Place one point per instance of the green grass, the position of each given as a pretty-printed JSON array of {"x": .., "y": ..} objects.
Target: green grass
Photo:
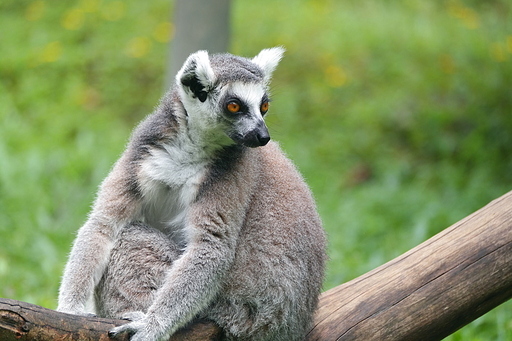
[{"x": 399, "y": 114}]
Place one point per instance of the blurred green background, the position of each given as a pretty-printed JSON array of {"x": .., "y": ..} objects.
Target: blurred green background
[{"x": 398, "y": 113}]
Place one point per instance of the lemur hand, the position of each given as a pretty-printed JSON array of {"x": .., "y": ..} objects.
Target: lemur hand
[{"x": 143, "y": 329}]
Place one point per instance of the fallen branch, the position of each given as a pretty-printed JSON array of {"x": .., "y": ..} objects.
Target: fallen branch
[
  {"x": 430, "y": 291},
  {"x": 25, "y": 321},
  {"x": 425, "y": 294}
]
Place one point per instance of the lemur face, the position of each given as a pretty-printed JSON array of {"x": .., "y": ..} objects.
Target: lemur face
[
  {"x": 243, "y": 106},
  {"x": 228, "y": 94}
]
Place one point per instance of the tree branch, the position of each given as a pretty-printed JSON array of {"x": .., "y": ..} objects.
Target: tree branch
[
  {"x": 425, "y": 294},
  {"x": 430, "y": 291},
  {"x": 25, "y": 321}
]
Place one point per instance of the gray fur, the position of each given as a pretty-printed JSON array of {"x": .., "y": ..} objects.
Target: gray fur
[
  {"x": 191, "y": 223},
  {"x": 246, "y": 70}
]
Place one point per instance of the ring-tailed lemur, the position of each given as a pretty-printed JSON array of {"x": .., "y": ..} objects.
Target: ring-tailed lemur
[{"x": 191, "y": 222}]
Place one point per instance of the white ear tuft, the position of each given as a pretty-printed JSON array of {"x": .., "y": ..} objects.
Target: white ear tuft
[
  {"x": 268, "y": 59},
  {"x": 197, "y": 75}
]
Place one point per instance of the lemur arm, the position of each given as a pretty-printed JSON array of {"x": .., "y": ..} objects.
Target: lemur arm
[
  {"x": 84, "y": 268},
  {"x": 214, "y": 223},
  {"x": 115, "y": 206},
  {"x": 190, "y": 285}
]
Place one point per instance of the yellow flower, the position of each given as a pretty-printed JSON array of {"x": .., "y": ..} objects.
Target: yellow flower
[
  {"x": 35, "y": 10},
  {"x": 51, "y": 52},
  {"x": 468, "y": 16},
  {"x": 509, "y": 44},
  {"x": 73, "y": 19},
  {"x": 90, "y": 6},
  {"x": 335, "y": 76},
  {"x": 138, "y": 47},
  {"x": 163, "y": 32},
  {"x": 498, "y": 52}
]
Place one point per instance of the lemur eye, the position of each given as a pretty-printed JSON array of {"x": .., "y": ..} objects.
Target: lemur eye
[
  {"x": 264, "y": 107},
  {"x": 233, "y": 107}
]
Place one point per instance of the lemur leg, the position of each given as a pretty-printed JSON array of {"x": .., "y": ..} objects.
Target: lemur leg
[{"x": 138, "y": 263}]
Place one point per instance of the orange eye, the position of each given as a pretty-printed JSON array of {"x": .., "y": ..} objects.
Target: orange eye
[
  {"x": 233, "y": 107},
  {"x": 264, "y": 107}
]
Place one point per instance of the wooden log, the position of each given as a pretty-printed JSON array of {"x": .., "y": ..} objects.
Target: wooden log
[
  {"x": 425, "y": 294},
  {"x": 25, "y": 321},
  {"x": 432, "y": 290}
]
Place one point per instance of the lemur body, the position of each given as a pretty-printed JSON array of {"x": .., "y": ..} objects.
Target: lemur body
[{"x": 193, "y": 222}]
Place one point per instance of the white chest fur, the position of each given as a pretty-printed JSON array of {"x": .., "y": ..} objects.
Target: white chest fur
[{"x": 170, "y": 179}]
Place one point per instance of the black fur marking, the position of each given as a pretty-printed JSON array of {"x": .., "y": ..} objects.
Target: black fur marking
[
  {"x": 226, "y": 159},
  {"x": 193, "y": 83},
  {"x": 132, "y": 185},
  {"x": 202, "y": 96},
  {"x": 152, "y": 133},
  {"x": 155, "y": 130}
]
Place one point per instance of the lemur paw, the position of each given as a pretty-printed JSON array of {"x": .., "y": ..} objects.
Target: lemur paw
[
  {"x": 140, "y": 330},
  {"x": 130, "y": 328}
]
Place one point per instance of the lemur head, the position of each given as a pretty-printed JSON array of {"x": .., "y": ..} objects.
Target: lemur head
[{"x": 228, "y": 95}]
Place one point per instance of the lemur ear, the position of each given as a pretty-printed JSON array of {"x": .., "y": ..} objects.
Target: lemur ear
[
  {"x": 196, "y": 75},
  {"x": 268, "y": 59}
]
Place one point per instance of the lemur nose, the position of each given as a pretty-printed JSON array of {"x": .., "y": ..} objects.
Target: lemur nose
[
  {"x": 263, "y": 139},
  {"x": 262, "y": 134},
  {"x": 258, "y": 137}
]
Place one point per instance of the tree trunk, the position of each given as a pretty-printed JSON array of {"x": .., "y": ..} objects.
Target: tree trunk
[
  {"x": 199, "y": 25},
  {"x": 425, "y": 294}
]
